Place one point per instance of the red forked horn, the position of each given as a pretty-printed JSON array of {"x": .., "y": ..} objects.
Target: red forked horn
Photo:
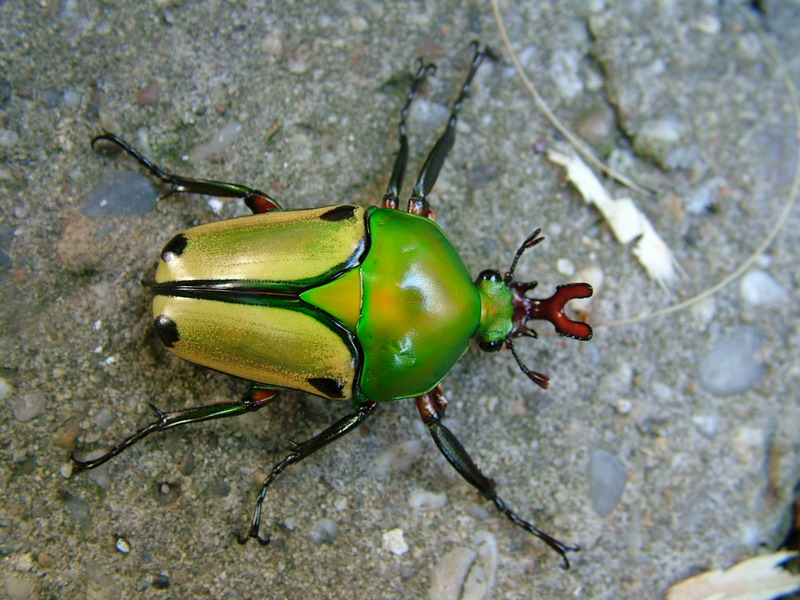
[{"x": 552, "y": 309}]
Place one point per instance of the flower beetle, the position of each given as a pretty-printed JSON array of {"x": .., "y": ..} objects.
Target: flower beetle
[{"x": 365, "y": 305}]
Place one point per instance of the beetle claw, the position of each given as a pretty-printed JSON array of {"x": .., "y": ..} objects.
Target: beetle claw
[{"x": 243, "y": 539}]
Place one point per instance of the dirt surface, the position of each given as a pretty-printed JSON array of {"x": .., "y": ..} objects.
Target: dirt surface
[{"x": 682, "y": 94}]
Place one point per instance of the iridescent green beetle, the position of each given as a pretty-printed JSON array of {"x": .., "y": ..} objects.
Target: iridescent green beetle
[{"x": 346, "y": 303}]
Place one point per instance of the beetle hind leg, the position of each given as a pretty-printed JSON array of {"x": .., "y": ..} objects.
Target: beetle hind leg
[
  {"x": 300, "y": 451},
  {"x": 430, "y": 408},
  {"x": 257, "y": 201},
  {"x": 255, "y": 398}
]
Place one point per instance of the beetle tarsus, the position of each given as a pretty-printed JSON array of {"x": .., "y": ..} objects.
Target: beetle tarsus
[{"x": 555, "y": 544}]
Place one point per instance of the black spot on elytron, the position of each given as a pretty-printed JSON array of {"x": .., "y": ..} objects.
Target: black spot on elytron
[
  {"x": 338, "y": 213},
  {"x": 329, "y": 387},
  {"x": 174, "y": 247},
  {"x": 167, "y": 331}
]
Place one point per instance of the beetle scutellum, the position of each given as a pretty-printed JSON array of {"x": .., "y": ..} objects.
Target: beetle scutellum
[{"x": 367, "y": 305}]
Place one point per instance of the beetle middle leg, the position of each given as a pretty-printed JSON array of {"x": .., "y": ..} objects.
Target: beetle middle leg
[
  {"x": 254, "y": 399},
  {"x": 431, "y": 408},
  {"x": 300, "y": 451},
  {"x": 257, "y": 201}
]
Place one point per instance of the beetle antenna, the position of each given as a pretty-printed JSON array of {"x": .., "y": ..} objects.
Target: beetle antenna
[
  {"x": 530, "y": 242},
  {"x": 539, "y": 379}
]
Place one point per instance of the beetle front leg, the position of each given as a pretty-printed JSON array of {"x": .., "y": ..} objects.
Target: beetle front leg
[
  {"x": 302, "y": 450},
  {"x": 255, "y": 398},
  {"x": 257, "y": 201},
  {"x": 390, "y": 198},
  {"x": 418, "y": 203},
  {"x": 430, "y": 410}
]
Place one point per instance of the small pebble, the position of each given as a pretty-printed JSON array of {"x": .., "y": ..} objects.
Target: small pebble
[
  {"x": 656, "y": 137},
  {"x": 594, "y": 276},
  {"x": 187, "y": 464},
  {"x": 218, "y": 142},
  {"x": 565, "y": 266},
  {"x": 449, "y": 574},
  {"x": 65, "y": 436},
  {"x": 29, "y": 406},
  {"x": 5, "y": 389},
  {"x": 596, "y": 125},
  {"x": 358, "y": 24},
  {"x": 22, "y": 562},
  {"x": 298, "y": 66},
  {"x": 8, "y": 138},
  {"x": 161, "y": 582},
  {"x": 730, "y": 367},
  {"x": 18, "y": 588},
  {"x": 483, "y": 573},
  {"x": 70, "y": 98},
  {"x": 272, "y": 43},
  {"x": 708, "y": 24},
  {"x": 565, "y": 72},
  {"x": 100, "y": 475},
  {"x": 324, "y": 531},
  {"x": 706, "y": 425},
  {"x": 758, "y": 287},
  {"x": 749, "y": 446},
  {"x": 704, "y": 310},
  {"x": 122, "y": 545},
  {"x": 607, "y": 478},
  {"x": 221, "y": 489},
  {"x": 104, "y": 418},
  {"x": 623, "y": 406},
  {"x": 149, "y": 95},
  {"x": 215, "y": 205},
  {"x": 398, "y": 457},
  {"x": 425, "y": 500},
  {"x": 394, "y": 542}
]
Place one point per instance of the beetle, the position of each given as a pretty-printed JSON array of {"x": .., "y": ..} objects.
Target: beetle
[{"x": 366, "y": 305}]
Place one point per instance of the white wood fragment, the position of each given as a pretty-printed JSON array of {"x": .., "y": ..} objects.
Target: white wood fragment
[
  {"x": 759, "y": 578},
  {"x": 627, "y": 222}
]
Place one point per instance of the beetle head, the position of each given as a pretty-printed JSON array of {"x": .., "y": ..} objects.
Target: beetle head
[{"x": 506, "y": 310}]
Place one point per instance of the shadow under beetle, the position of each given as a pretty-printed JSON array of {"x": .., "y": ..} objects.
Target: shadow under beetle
[{"x": 343, "y": 302}]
